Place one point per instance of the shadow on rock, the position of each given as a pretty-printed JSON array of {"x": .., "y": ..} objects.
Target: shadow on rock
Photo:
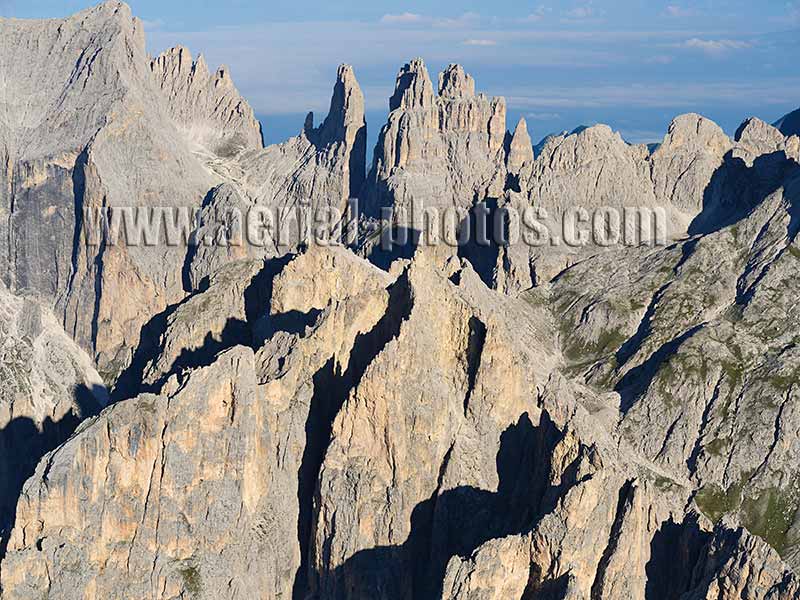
[
  {"x": 455, "y": 522},
  {"x": 252, "y": 332},
  {"x": 674, "y": 552},
  {"x": 23, "y": 444},
  {"x": 393, "y": 243},
  {"x": 736, "y": 189}
]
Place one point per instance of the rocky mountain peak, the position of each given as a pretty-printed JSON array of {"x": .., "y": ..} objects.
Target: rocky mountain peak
[
  {"x": 113, "y": 10},
  {"x": 292, "y": 420},
  {"x": 62, "y": 77},
  {"x": 346, "y": 114},
  {"x": 455, "y": 83},
  {"x": 693, "y": 129},
  {"x": 451, "y": 145},
  {"x": 520, "y": 148},
  {"x": 346, "y": 124},
  {"x": 757, "y": 134},
  {"x": 207, "y": 108},
  {"x": 413, "y": 88}
]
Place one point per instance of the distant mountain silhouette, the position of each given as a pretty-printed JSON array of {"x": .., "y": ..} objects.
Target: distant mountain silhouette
[{"x": 789, "y": 124}]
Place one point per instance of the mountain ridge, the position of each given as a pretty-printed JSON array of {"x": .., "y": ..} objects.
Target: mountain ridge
[{"x": 309, "y": 421}]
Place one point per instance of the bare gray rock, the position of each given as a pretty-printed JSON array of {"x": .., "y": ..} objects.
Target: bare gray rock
[
  {"x": 85, "y": 127},
  {"x": 207, "y": 108},
  {"x": 437, "y": 151},
  {"x": 520, "y": 150},
  {"x": 174, "y": 508},
  {"x": 47, "y": 386},
  {"x": 305, "y": 180},
  {"x": 469, "y": 423}
]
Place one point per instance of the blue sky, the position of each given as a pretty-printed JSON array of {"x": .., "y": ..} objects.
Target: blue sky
[{"x": 629, "y": 63}]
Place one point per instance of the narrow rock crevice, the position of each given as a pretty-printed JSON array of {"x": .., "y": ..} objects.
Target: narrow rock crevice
[
  {"x": 776, "y": 435},
  {"x": 636, "y": 382},
  {"x": 98, "y": 292},
  {"x": 331, "y": 389},
  {"x": 623, "y": 506},
  {"x": 475, "y": 344},
  {"x": 691, "y": 462},
  {"x": 78, "y": 195}
]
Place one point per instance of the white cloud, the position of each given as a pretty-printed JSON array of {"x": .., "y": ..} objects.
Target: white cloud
[
  {"x": 715, "y": 47},
  {"x": 468, "y": 19},
  {"x": 674, "y": 10},
  {"x": 793, "y": 12},
  {"x": 303, "y": 79},
  {"x": 542, "y": 116},
  {"x": 581, "y": 12},
  {"x": 676, "y": 96},
  {"x": 536, "y": 16},
  {"x": 401, "y": 19},
  {"x": 480, "y": 43},
  {"x": 153, "y": 25},
  {"x": 585, "y": 13}
]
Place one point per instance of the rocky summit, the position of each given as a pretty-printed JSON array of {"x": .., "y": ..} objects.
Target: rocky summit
[{"x": 297, "y": 420}]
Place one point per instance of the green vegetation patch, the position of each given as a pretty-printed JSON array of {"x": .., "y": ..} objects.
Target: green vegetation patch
[
  {"x": 770, "y": 515},
  {"x": 578, "y": 350},
  {"x": 784, "y": 381},
  {"x": 715, "y": 503},
  {"x": 718, "y": 447},
  {"x": 191, "y": 578}
]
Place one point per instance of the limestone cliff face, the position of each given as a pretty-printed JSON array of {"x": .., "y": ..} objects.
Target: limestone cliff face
[
  {"x": 408, "y": 434},
  {"x": 452, "y": 150},
  {"x": 85, "y": 127},
  {"x": 442, "y": 150},
  {"x": 292, "y": 421},
  {"x": 323, "y": 166},
  {"x": 686, "y": 160},
  {"x": 696, "y": 178},
  {"x": 207, "y": 107},
  {"x": 309, "y": 178},
  {"x": 155, "y": 500},
  {"x": 109, "y": 127},
  {"x": 47, "y": 386},
  {"x": 520, "y": 151}
]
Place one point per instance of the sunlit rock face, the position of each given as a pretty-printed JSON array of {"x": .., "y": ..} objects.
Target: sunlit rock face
[{"x": 294, "y": 420}]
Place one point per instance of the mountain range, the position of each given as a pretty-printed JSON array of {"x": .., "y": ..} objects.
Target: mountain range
[{"x": 295, "y": 420}]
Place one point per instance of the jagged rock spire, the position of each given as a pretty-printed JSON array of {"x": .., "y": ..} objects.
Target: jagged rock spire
[
  {"x": 520, "y": 149},
  {"x": 454, "y": 82},
  {"x": 431, "y": 140},
  {"x": 413, "y": 88},
  {"x": 208, "y": 108},
  {"x": 346, "y": 114},
  {"x": 346, "y": 123}
]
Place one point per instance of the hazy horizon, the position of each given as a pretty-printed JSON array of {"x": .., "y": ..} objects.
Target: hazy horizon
[{"x": 561, "y": 65}]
